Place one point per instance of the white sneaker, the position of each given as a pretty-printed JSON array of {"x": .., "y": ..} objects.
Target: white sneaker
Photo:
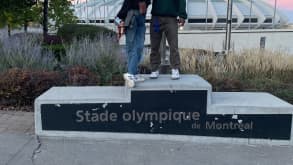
[
  {"x": 129, "y": 80},
  {"x": 154, "y": 75},
  {"x": 139, "y": 78},
  {"x": 175, "y": 74}
]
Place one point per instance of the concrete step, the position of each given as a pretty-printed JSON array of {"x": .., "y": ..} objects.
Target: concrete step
[{"x": 184, "y": 109}]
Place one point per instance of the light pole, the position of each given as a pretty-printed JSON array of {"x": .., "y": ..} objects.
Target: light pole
[
  {"x": 275, "y": 11},
  {"x": 207, "y": 11},
  {"x": 104, "y": 13},
  {"x": 228, "y": 26},
  {"x": 250, "y": 13},
  {"x": 87, "y": 12}
]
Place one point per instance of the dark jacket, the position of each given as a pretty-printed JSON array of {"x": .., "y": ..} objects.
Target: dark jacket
[
  {"x": 130, "y": 5},
  {"x": 171, "y": 8}
]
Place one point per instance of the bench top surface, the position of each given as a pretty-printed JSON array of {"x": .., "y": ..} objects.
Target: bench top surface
[
  {"x": 164, "y": 82},
  {"x": 248, "y": 103},
  {"x": 122, "y": 93}
]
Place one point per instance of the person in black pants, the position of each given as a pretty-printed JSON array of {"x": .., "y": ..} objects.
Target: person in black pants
[{"x": 164, "y": 19}]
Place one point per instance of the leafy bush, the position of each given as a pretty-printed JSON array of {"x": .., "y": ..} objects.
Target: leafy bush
[
  {"x": 21, "y": 87},
  {"x": 24, "y": 52},
  {"x": 70, "y": 32},
  {"x": 81, "y": 76},
  {"x": 53, "y": 40},
  {"x": 53, "y": 43},
  {"x": 108, "y": 67},
  {"x": 58, "y": 50}
]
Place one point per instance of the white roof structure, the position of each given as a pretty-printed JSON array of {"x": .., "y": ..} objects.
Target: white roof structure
[{"x": 202, "y": 14}]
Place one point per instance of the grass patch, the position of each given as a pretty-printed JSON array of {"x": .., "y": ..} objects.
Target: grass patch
[{"x": 249, "y": 70}]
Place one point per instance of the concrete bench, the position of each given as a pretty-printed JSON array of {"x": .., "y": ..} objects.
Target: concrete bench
[{"x": 164, "y": 109}]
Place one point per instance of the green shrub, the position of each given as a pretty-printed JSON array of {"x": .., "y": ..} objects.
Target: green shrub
[
  {"x": 70, "y": 32},
  {"x": 24, "y": 52},
  {"x": 87, "y": 53},
  {"x": 58, "y": 50},
  {"x": 109, "y": 67}
]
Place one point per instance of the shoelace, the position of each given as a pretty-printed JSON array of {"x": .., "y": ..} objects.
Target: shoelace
[{"x": 131, "y": 77}]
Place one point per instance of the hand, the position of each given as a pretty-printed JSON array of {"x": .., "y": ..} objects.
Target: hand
[
  {"x": 181, "y": 22},
  {"x": 142, "y": 7},
  {"x": 122, "y": 24},
  {"x": 121, "y": 30}
]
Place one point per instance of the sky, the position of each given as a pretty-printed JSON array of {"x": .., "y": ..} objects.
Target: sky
[{"x": 285, "y": 6}]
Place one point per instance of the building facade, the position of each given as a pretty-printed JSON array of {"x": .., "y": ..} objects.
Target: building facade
[{"x": 202, "y": 14}]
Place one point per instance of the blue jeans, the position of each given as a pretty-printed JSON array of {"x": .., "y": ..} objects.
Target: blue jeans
[{"x": 135, "y": 36}]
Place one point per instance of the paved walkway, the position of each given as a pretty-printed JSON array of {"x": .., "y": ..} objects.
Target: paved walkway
[
  {"x": 19, "y": 146},
  {"x": 16, "y": 122}
]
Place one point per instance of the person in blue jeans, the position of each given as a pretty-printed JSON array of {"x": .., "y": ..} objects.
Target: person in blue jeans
[{"x": 131, "y": 17}]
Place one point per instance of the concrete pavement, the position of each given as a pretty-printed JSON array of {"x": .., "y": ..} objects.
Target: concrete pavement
[
  {"x": 19, "y": 146},
  {"x": 16, "y": 122}
]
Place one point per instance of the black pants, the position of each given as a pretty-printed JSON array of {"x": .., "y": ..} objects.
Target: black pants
[{"x": 169, "y": 26}]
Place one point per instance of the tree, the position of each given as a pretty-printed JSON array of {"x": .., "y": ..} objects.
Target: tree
[
  {"x": 61, "y": 12},
  {"x": 7, "y": 15},
  {"x": 45, "y": 18},
  {"x": 31, "y": 14},
  {"x": 11, "y": 13}
]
